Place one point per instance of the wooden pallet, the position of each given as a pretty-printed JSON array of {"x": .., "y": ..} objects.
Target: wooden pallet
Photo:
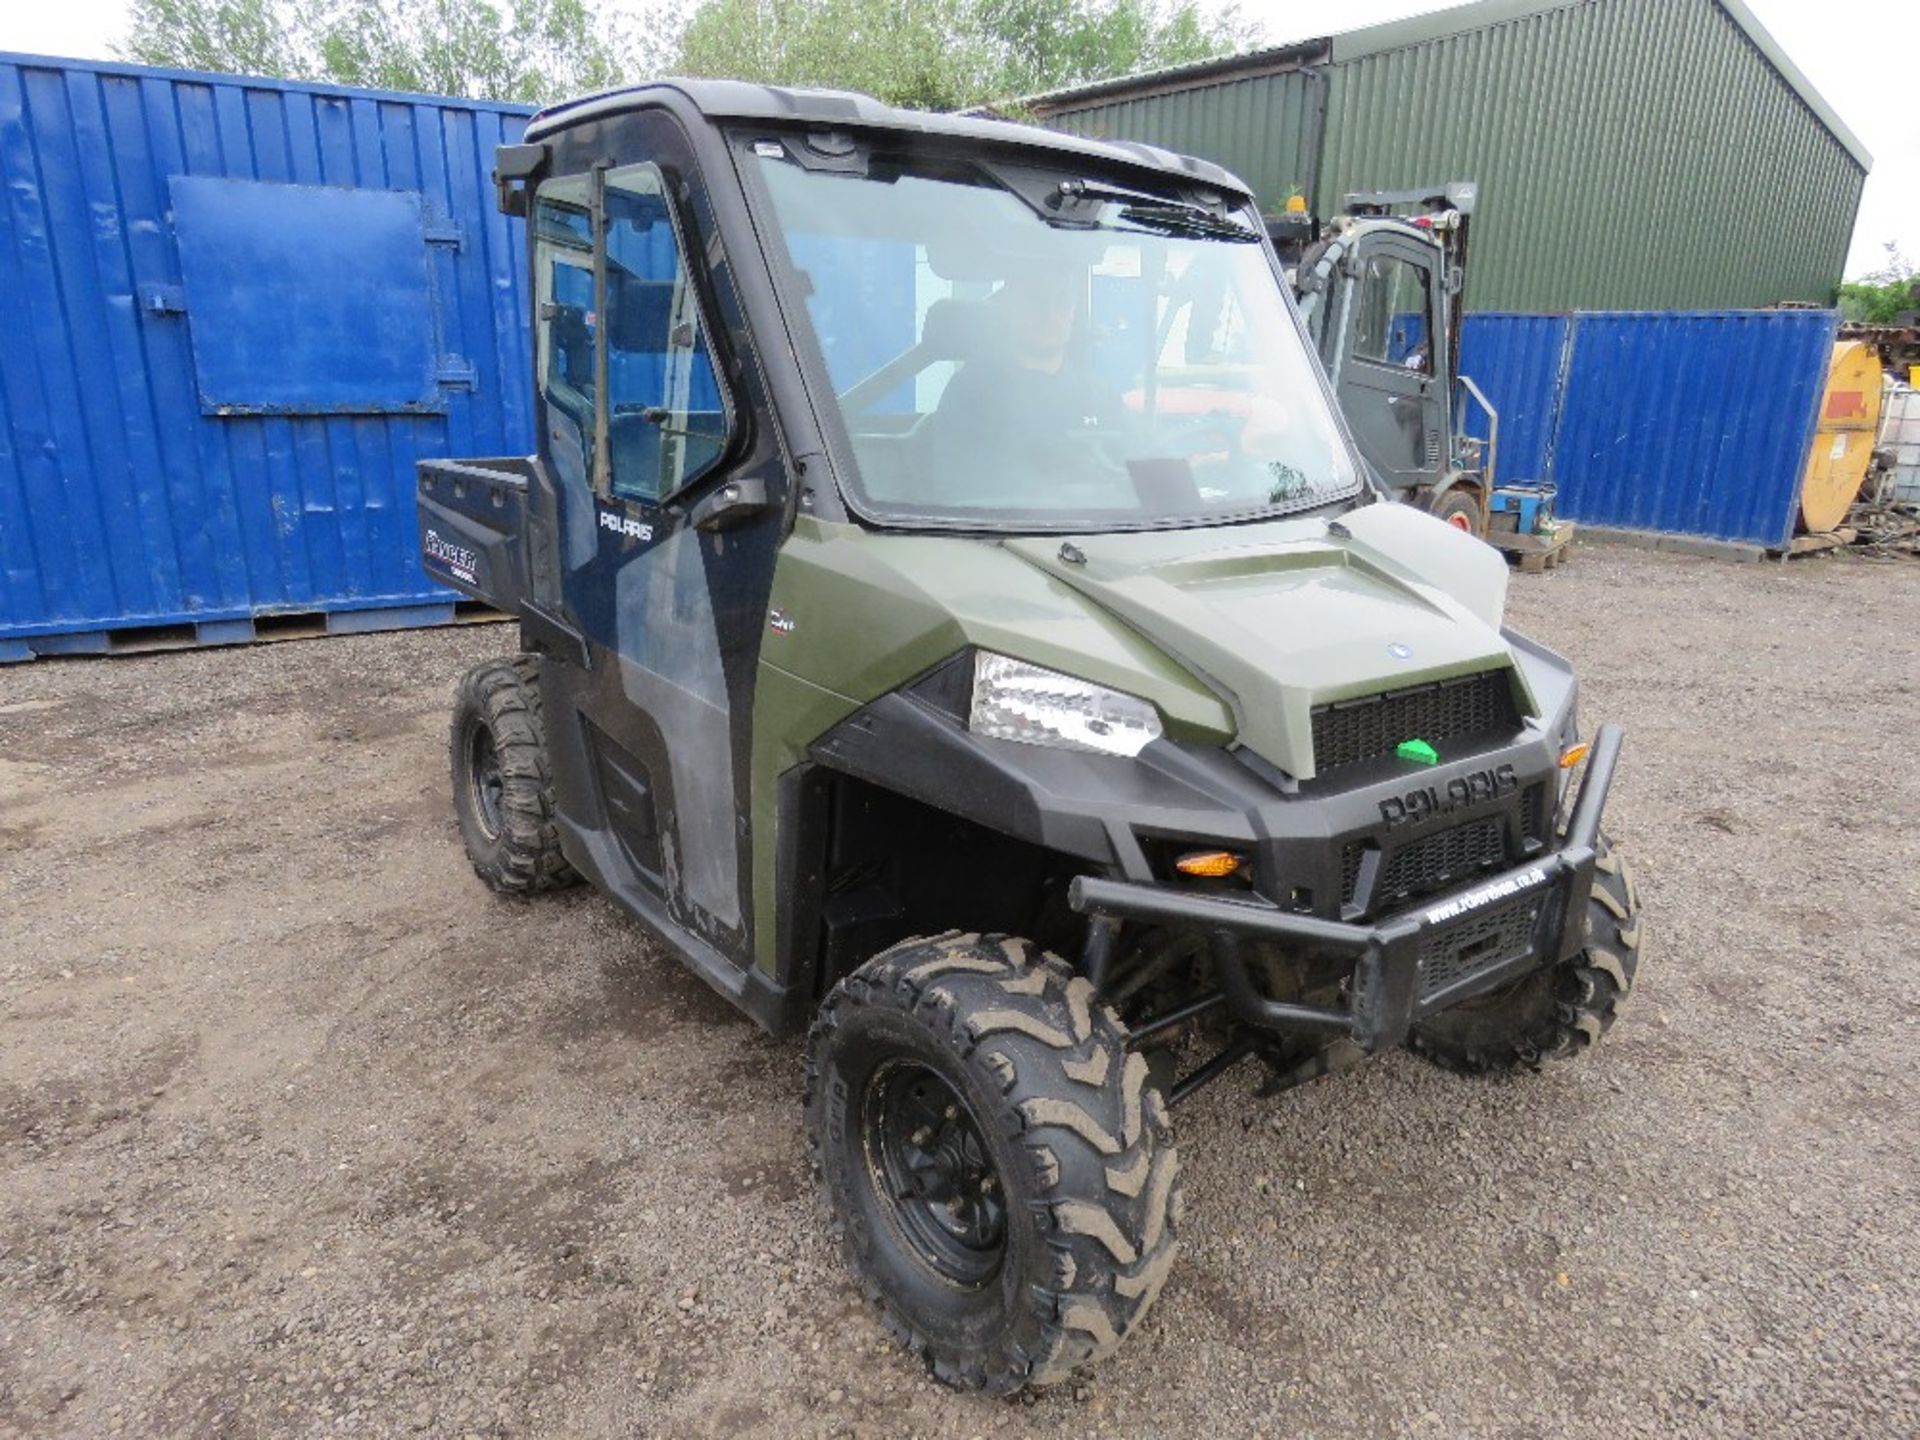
[
  {"x": 248, "y": 630},
  {"x": 1536, "y": 554},
  {"x": 1823, "y": 540}
]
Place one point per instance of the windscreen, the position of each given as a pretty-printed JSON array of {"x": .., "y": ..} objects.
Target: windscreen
[{"x": 1053, "y": 352}]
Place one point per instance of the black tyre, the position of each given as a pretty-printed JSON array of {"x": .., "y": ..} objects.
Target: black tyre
[
  {"x": 1001, "y": 1169},
  {"x": 1556, "y": 1013},
  {"x": 1461, "y": 509},
  {"x": 502, "y": 790}
]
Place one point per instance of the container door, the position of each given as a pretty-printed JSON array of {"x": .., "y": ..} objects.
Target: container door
[{"x": 1386, "y": 374}]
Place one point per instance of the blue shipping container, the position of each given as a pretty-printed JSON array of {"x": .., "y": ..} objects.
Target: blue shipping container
[
  {"x": 1688, "y": 423},
  {"x": 235, "y": 312}
]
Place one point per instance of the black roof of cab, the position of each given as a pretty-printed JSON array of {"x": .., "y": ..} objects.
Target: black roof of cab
[{"x": 844, "y": 109}]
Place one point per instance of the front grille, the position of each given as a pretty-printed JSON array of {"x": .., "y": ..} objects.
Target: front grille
[
  {"x": 1440, "y": 860},
  {"x": 1350, "y": 859},
  {"x": 1349, "y": 731},
  {"x": 1535, "y": 805},
  {"x": 1493, "y": 937}
]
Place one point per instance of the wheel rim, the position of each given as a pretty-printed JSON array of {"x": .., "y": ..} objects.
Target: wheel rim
[
  {"x": 934, "y": 1172},
  {"x": 483, "y": 779}
]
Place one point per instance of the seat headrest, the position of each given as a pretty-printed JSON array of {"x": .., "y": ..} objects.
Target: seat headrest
[{"x": 958, "y": 329}]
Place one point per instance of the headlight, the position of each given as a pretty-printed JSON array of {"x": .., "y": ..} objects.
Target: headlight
[{"x": 1013, "y": 700}]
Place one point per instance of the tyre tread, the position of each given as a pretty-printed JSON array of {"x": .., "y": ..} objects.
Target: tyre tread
[{"x": 1039, "y": 1036}]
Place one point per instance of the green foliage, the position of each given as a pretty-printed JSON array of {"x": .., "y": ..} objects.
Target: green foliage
[
  {"x": 931, "y": 54},
  {"x": 525, "y": 50},
  {"x": 947, "y": 54},
  {"x": 1882, "y": 296},
  {"x": 241, "y": 37}
]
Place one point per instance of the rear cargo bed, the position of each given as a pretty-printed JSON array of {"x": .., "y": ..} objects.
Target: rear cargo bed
[{"x": 472, "y": 526}]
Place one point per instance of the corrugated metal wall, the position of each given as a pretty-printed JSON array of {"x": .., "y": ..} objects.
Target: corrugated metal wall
[
  {"x": 1631, "y": 154},
  {"x": 1265, "y": 130},
  {"x": 127, "y": 498},
  {"x": 1696, "y": 423},
  {"x": 1517, "y": 361}
]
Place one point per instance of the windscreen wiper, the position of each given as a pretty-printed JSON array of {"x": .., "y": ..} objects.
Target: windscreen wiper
[
  {"x": 1187, "y": 220},
  {"x": 1144, "y": 208}
]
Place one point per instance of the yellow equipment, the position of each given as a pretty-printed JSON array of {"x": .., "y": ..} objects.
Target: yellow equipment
[{"x": 1843, "y": 445}]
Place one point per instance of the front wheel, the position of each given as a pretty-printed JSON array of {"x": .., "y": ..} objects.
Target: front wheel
[
  {"x": 1002, "y": 1170},
  {"x": 1557, "y": 1012}
]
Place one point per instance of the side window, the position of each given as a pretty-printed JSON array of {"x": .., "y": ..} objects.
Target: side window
[
  {"x": 1394, "y": 303},
  {"x": 666, "y": 417},
  {"x": 564, "y": 335}
]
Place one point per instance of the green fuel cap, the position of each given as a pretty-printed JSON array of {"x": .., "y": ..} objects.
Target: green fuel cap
[{"x": 1418, "y": 751}]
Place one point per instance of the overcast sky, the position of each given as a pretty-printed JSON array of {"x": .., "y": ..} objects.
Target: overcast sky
[{"x": 1859, "y": 54}]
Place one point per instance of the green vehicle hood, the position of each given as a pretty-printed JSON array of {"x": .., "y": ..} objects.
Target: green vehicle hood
[
  {"x": 1234, "y": 632},
  {"x": 1280, "y": 618}
]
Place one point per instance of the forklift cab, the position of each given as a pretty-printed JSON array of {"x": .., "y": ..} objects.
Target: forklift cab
[{"x": 1380, "y": 290}]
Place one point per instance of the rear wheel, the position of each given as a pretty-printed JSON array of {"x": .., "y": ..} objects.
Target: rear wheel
[
  {"x": 1001, "y": 1169},
  {"x": 502, "y": 791},
  {"x": 1557, "y": 1012}
]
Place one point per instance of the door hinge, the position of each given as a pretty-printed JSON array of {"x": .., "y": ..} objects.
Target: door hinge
[
  {"x": 163, "y": 299},
  {"x": 455, "y": 371},
  {"x": 442, "y": 232}
]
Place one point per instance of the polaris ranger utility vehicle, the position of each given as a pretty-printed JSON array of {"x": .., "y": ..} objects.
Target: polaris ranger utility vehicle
[
  {"x": 1379, "y": 287},
  {"x": 910, "y": 644}
]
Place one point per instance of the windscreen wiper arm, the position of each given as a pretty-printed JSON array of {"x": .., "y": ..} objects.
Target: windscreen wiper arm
[
  {"x": 1143, "y": 207},
  {"x": 1188, "y": 220}
]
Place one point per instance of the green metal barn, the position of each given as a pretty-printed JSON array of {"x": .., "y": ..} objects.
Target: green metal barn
[{"x": 1631, "y": 154}]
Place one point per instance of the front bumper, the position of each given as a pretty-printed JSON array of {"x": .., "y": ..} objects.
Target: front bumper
[{"x": 1441, "y": 951}]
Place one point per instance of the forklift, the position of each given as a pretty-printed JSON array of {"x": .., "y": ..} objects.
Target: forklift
[{"x": 1380, "y": 286}]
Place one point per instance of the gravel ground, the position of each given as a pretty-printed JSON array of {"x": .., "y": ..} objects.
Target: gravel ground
[{"x": 302, "y": 1132}]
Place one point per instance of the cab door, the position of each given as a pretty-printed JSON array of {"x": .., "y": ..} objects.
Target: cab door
[
  {"x": 666, "y": 521},
  {"x": 1385, "y": 378}
]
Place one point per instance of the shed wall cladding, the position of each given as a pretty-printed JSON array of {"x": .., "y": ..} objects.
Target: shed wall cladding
[
  {"x": 1263, "y": 128},
  {"x": 236, "y": 311},
  {"x": 1631, "y": 154}
]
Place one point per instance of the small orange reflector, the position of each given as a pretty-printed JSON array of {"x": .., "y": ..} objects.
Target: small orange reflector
[
  {"x": 1209, "y": 863},
  {"x": 1573, "y": 755}
]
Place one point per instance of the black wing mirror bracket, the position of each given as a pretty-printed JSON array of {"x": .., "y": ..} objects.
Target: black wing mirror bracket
[
  {"x": 733, "y": 503},
  {"x": 514, "y": 167}
]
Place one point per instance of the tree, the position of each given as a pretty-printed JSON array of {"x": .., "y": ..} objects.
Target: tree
[
  {"x": 948, "y": 54},
  {"x": 1881, "y": 296},
  {"x": 524, "y": 50},
  {"x": 240, "y": 37},
  {"x": 931, "y": 54}
]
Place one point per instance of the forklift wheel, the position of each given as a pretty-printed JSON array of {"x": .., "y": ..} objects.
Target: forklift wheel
[
  {"x": 1001, "y": 1169},
  {"x": 1556, "y": 1013},
  {"x": 1461, "y": 509},
  {"x": 501, "y": 789}
]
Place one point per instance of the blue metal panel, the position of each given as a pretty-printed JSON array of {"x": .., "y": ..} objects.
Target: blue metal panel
[
  {"x": 1517, "y": 360},
  {"x": 1692, "y": 423},
  {"x": 305, "y": 299},
  {"x": 121, "y": 503}
]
